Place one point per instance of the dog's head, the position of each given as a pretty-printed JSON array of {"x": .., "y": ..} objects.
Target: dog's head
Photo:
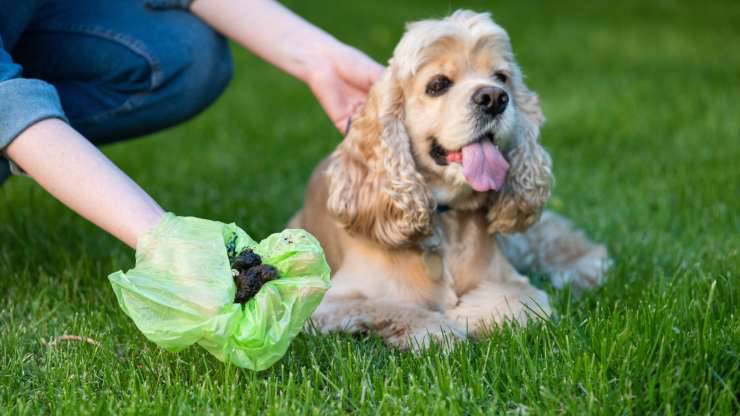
[{"x": 451, "y": 122}]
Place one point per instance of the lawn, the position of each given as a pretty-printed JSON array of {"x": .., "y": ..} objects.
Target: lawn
[{"x": 643, "y": 102}]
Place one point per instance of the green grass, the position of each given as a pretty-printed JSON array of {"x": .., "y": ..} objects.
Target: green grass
[{"x": 642, "y": 101}]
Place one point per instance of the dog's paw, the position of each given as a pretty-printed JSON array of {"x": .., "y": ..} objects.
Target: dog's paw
[
  {"x": 483, "y": 310},
  {"x": 436, "y": 329}
]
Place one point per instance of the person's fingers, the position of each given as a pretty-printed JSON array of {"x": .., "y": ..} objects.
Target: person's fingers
[
  {"x": 354, "y": 103},
  {"x": 372, "y": 72},
  {"x": 339, "y": 99},
  {"x": 344, "y": 123},
  {"x": 360, "y": 70},
  {"x": 333, "y": 101},
  {"x": 343, "y": 89}
]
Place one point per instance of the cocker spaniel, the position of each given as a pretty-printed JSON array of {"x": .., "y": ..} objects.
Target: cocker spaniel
[{"x": 432, "y": 202}]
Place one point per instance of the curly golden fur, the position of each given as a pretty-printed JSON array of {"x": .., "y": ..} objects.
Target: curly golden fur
[
  {"x": 402, "y": 267},
  {"x": 375, "y": 189}
]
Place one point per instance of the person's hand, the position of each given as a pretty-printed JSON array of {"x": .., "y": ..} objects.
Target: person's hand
[
  {"x": 342, "y": 82},
  {"x": 340, "y": 76}
]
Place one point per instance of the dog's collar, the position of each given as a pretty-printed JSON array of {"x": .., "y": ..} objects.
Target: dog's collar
[{"x": 441, "y": 209}]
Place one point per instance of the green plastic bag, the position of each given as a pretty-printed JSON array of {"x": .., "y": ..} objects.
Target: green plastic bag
[{"x": 181, "y": 291}]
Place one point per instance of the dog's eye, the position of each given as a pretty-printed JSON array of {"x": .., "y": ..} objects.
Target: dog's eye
[
  {"x": 501, "y": 77},
  {"x": 438, "y": 86}
]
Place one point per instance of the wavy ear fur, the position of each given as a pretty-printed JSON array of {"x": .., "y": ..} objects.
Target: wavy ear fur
[
  {"x": 375, "y": 189},
  {"x": 528, "y": 183}
]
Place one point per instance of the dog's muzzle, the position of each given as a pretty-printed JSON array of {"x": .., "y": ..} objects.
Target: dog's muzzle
[{"x": 490, "y": 101}]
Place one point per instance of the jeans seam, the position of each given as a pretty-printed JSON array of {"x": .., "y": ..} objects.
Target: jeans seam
[
  {"x": 168, "y": 4},
  {"x": 135, "y": 46}
]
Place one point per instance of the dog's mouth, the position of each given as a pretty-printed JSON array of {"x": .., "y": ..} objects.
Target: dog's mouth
[{"x": 483, "y": 163}]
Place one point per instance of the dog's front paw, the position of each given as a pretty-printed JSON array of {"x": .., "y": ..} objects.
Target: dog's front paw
[
  {"x": 493, "y": 304},
  {"x": 435, "y": 329}
]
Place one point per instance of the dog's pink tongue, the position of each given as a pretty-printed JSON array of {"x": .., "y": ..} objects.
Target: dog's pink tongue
[{"x": 484, "y": 166}]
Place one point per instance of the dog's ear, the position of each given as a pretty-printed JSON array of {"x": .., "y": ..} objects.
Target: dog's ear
[
  {"x": 375, "y": 189},
  {"x": 528, "y": 183}
]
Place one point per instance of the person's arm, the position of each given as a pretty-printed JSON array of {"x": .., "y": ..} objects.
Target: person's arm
[
  {"x": 340, "y": 76},
  {"x": 35, "y": 137},
  {"x": 81, "y": 177}
]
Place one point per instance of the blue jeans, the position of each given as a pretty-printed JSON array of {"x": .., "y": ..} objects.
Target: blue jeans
[{"x": 120, "y": 68}]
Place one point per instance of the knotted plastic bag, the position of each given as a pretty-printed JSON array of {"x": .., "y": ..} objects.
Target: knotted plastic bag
[{"x": 181, "y": 291}]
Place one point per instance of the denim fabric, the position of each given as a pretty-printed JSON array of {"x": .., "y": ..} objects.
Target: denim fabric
[
  {"x": 4, "y": 170},
  {"x": 22, "y": 101},
  {"x": 120, "y": 68},
  {"x": 169, "y": 4}
]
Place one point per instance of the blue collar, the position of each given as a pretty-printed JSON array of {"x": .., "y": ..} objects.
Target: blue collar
[{"x": 441, "y": 209}]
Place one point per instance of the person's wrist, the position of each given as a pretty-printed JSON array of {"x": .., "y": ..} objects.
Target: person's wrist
[{"x": 320, "y": 60}]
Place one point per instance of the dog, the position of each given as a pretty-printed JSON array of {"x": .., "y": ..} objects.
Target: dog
[{"x": 433, "y": 202}]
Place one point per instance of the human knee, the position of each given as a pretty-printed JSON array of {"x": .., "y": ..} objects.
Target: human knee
[
  {"x": 174, "y": 81},
  {"x": 196, "y": 67},
  {"x": 208, "y": 67}
]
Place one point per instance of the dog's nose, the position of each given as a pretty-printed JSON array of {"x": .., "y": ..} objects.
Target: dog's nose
[{"x": 492, "y": 100}]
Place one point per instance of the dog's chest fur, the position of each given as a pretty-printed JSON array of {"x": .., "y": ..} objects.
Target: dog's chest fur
[{"x": 458, "y": 252}]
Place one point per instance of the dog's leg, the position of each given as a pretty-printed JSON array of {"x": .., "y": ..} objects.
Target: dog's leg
[
  {"x": 403, "y": 326},
  {"x": 555, "y": 247},
  {"x": 495, "y": 302}
]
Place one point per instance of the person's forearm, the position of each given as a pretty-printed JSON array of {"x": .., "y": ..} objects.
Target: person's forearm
[
  {"x": 80, "y": 176},
  {"x": 269, "y": 30}
]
